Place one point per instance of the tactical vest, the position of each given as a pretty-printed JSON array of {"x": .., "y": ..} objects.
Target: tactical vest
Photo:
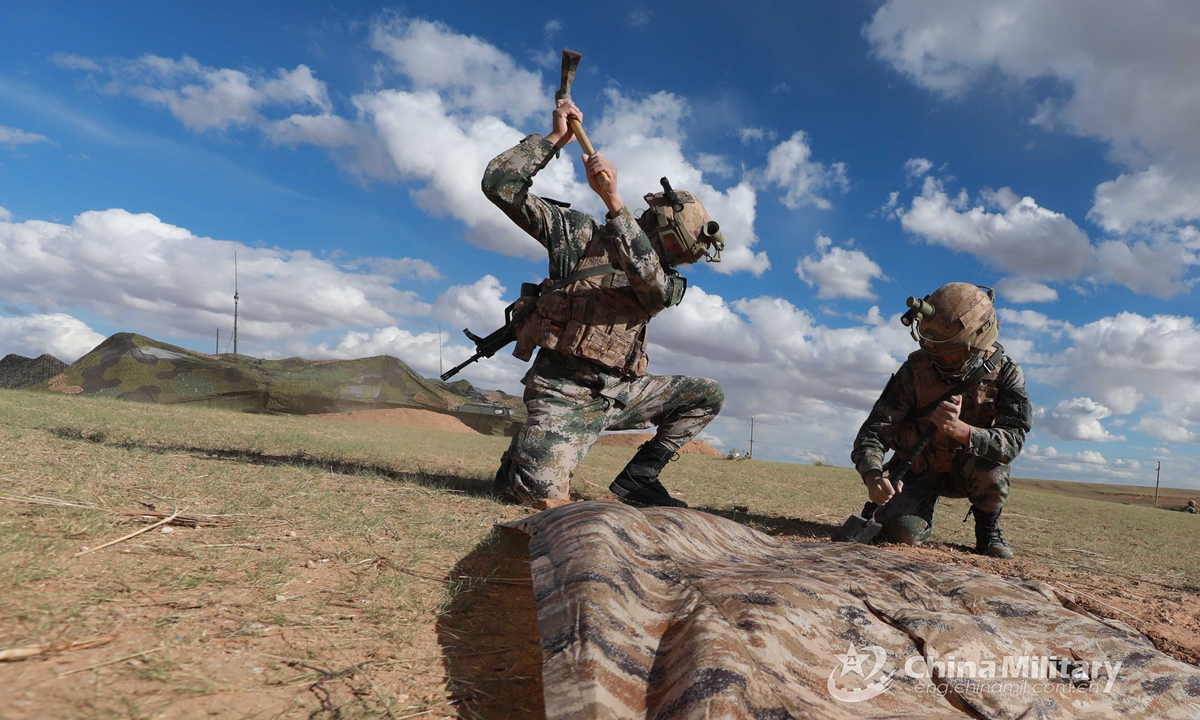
[
  {"x": 978, "y": 410},
  {"x": 597, "y": 318}
]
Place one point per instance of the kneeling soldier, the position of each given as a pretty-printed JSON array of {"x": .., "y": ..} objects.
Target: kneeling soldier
[
  {"x": 974, "y": 397},
  {"x": 589, "y": 322}
]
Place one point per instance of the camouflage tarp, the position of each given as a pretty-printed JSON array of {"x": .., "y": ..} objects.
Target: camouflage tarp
[
  {"x": 138, "y": 368},
  {"x": 18, "y": 372},
  {"x": 669, "y": 613}
]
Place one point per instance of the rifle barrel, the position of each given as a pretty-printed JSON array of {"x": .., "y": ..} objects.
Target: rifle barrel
[{"x": 454, "y": 370}]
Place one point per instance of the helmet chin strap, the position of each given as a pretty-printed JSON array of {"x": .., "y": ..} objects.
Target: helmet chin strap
[{"x": 967, "y": 368}]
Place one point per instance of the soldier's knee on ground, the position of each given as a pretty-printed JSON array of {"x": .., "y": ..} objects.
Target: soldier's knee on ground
[
  {"x": 906, "y": 529},
  {"x": 714, "y": 396},
  {"x": 519, "y": 482}
]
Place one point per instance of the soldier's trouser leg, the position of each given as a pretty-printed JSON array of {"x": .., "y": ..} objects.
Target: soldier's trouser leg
[
  {"x": 985, "y": 483},
  {"x": 908, "y": 517},
  {"x": 681, "y": 406},
  {"x": 562, "y": 426}
]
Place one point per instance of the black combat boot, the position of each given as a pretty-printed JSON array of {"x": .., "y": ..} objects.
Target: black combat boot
[
  {"x": 989, "y": 538},
  {"x": 638, "y": 482},
  {"x": 503, "y": 483}
]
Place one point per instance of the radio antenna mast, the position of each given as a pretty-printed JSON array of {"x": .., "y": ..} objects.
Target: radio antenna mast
[{"x": 235, "y": 302}]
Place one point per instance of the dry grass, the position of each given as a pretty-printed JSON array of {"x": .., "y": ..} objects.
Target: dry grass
[{"x": 358, "y": 574}]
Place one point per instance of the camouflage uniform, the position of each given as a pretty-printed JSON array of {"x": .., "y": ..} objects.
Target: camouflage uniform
[
  {"x": 571, "y": 397},
  {"x": 999, "y": 412}
]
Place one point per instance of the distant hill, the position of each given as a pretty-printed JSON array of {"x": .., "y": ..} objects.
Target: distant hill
[
  {"x": 18, "y": 372},
  {"x": 137, "y": 368}
]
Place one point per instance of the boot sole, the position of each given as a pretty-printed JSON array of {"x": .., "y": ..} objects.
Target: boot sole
[{"x": 628, "y": 497}]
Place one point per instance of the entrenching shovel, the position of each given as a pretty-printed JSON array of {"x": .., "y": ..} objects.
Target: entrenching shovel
[
  {"x": 863, "y": 528},
  {"x": 570, "y": 63}
]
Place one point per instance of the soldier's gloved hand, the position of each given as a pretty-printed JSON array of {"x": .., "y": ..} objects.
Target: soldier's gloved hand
[
  {"x": 879, "y": 488},
  {"x": 560, "y": 130},
  {"x": 948, "y": 423},
  {"x": 597, "y": 164}
]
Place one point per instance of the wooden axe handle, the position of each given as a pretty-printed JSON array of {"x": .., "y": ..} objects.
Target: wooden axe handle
[
  {"x": 586, "y": 146},
  {"x": 570, "y": 62}
]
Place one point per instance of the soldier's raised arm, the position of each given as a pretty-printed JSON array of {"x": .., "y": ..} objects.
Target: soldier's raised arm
[
  {"x": 509, "y": 175},
  {"x": 630, "y": 244}
]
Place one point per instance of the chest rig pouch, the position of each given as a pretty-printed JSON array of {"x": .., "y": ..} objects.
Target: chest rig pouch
[
  {"x": 978, "y": 408},
  {"x": 589, "y": 314}
]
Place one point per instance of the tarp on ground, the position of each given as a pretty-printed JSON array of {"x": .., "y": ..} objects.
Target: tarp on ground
[
  {"x": 134, "y": 367},
  {"x": 673, "y": 613}
]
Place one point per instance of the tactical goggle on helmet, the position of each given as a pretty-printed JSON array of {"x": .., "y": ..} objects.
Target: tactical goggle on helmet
[
  {"x": 954, "y": 325},
  {"x": 680, "y": 228}
]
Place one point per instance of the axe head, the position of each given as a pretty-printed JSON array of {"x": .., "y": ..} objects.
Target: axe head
[
  {"x": 858, "y": 529},
  {"x": 570, "y": 63}
]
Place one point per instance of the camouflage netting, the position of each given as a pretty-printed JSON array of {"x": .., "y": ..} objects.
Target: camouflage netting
[
  {"x": 670, "y": 613},
  {"x": 18, "y": 372},
  {"x": 138, "y": 368}
]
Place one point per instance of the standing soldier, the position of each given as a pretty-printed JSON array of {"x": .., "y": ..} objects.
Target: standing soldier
[
  {"x": 589, "y": 322},
  {"x": 961, "y": 383}
]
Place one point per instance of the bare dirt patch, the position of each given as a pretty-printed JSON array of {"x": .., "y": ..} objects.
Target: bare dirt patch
[
  {"x": 632, "y": 440},
  {"x": 402, "y": 417}
]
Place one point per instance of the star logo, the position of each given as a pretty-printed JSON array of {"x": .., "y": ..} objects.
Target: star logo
[
  {"x": 877, "y": 681},
  {"x": 852, "y": 662}
]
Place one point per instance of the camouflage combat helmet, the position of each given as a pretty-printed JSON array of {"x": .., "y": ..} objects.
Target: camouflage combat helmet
[
  {"x": 954, "y": 325},
  {"x": 679, "y": 227}
]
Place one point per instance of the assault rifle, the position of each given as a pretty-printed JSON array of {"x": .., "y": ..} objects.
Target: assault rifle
[{"x": 485, "y": 347}]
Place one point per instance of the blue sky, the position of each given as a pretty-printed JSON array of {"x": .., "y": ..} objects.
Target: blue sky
[{"x": 855, "y": 153}]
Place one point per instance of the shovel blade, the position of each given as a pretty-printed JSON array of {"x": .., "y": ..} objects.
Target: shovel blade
[{"x": 858, "y": 529}]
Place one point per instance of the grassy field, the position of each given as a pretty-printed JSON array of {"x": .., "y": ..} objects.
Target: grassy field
[
  {"x": 337, "y": 570},
  {"x": 1168, "y": 498}
]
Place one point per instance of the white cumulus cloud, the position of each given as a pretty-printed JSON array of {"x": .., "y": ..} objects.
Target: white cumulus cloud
[
  {"x": 1129, "y": 359},
  {"x": 1023, "y": 290},
  {"x": 1009, "y": 232},
  {"x": 65, "y": 337},
  {"x": 142, "y": 273},
  {"x": 1076, "y": 419},
  {"x": 1128, "y": 70},
  {"x": 804, "y": 181},
  {"x": 839, "y": 272}
]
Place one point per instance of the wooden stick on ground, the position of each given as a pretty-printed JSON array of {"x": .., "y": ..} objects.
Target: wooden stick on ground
[
  {"x": 22, "y": 653},
  {"x": 133, "y": 534},
  {"x": 111, "y": 662},
  {"x": 1098, "y": 600}
]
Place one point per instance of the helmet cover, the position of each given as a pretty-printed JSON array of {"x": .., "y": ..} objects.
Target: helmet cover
[
  {"x": 679, "y": 228},
  {"x": 962, "y": 327}
]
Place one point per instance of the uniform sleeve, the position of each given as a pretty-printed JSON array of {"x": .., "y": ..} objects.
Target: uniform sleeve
[
  {"x": 1002, "y": 442},
  {"x": 885, "y": 426},
  {"x": 641, "y": 264},
  {"x": 565, "y": 233}
]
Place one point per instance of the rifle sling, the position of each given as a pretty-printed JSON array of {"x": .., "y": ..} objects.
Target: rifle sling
[
  {"x": 989, "y": 365},
  {"x": 605, "y": 269}
]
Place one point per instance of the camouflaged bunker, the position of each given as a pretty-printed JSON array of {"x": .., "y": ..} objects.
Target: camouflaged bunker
[{"x": 134, "y": 367}]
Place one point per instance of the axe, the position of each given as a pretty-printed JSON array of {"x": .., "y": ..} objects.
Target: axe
[{"x": 570, "y": 63}]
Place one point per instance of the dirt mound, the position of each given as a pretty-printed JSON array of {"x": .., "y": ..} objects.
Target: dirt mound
[
  {"x": 402, "y": 417},
  {"x": 18, "y": 372},
  {"x": 632, "y": 440}
]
